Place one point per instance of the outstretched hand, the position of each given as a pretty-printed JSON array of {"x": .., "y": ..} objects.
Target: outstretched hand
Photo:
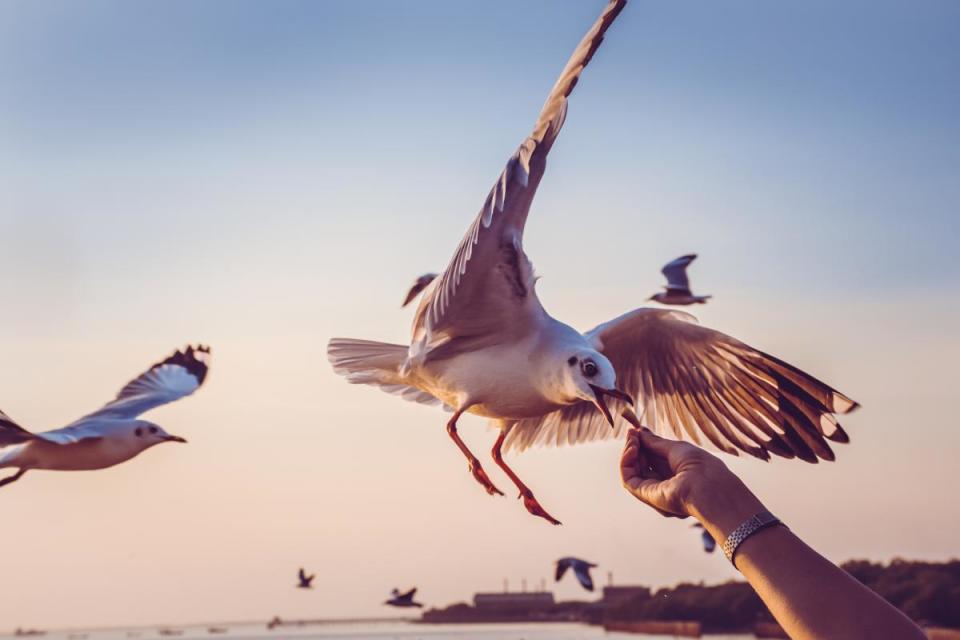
[{"x": 679, "y": 480}]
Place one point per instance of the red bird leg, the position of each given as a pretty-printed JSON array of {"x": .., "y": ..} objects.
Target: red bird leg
[
  {"x": 472, "y": 463},
  {"x": 529, "y": 501}
]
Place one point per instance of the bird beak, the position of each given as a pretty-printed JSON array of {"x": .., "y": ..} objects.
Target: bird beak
[
  {"x": 175, "y": 439},
  {"x": 599, "y": 393}
]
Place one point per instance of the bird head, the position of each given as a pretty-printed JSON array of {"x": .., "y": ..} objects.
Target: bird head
[
  {"x": 148, "y": 434},
  {"x": 590, "y": 376},
  {"x": 657, "y": 297}
]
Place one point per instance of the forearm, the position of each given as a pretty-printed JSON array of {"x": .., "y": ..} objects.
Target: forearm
[{"x": 808, "y": 595}]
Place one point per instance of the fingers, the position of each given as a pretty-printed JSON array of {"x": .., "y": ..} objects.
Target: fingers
[{"x": 644, "y": 480}]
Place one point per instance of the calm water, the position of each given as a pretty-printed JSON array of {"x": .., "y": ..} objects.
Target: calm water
[{"x": 364, "y": 631}]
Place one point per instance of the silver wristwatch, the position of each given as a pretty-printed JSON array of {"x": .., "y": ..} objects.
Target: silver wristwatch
[{"x": 760, "y": 521}]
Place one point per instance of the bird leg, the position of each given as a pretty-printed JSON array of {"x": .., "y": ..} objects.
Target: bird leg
[
  {"x": 529, "y": 501},
  {"x": 14, "y": 477},
  {"x": 472, "y": 463}
]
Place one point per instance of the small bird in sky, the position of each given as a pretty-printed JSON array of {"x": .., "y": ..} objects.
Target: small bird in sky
[
  {"x": 419, "y": 285},
  {"x": 112, "y": 434},
  {"x": 709, "y": 544},
  {"x": 581, "y": 569},
  {"x": 678, "y": 286},
  {"x": 482, "y": 343},
  {"x": 304, "y": 581},
  {"x": 403, "y": 600}
]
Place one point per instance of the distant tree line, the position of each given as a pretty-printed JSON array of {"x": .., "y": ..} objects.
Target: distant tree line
[{"x": 928, "y": 592}]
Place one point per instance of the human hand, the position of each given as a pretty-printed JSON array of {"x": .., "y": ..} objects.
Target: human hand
[{"x": 679, "y": 480}]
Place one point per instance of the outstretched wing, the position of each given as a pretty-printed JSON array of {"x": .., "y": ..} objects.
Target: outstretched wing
[
  {"x": 171, "y": 379},
  {"x": 676, "y": 273},
  {"x": 709, "y": 544},
  {"x": 12, "y": 433},
  {"x": 705, "y": 382},
  {"x": 486, "y": 293},
  {"x": 582, "y": 571},
  {"x": 562, "y": 566},
  {"x": 693, "y": 381},
  {"x": 408, "y": 595},
  {"x": 419, "y": 285}
]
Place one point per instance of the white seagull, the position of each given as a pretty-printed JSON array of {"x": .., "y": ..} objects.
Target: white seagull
[
  {"x": 112, "y": 434},
  {"x": 483, "y": 344},
  {"x": 678, "y": 286},
  {"x": 581, "y": 569},
  {"x": 403, "y": 600}
]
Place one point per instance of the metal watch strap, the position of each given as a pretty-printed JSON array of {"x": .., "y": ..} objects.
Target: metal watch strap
[{"x": 753, "y": 524}]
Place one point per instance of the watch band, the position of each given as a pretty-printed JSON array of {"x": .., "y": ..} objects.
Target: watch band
[{"x": 753, "y": 524}]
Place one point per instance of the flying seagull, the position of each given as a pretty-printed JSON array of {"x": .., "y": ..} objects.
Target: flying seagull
[
  {"x": 112, "y": 434},
  {"x": 678, "y": 286},
  {"x": 304, "y": 581},
  {"x": 581, "y": 569},
  {"x": 483, "y": 344},
  {"x": 709, "y": 544},
  {"x": 398, "y": 599},
  {"x": 419, "y": 285}
]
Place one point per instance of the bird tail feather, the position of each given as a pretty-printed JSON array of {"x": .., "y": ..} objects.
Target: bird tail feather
[
  {"x": 366, "y": 361},
  {"x": 375, "y": 363}
]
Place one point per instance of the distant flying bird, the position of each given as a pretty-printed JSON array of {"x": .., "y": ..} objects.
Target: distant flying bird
[
  {"x": 305, "y": 581},
  {"x": 709, "y": 544},
  {"x": 419, "y": 285},
  {"x": 398, "y": 599},
  {"x": 678, "y": 286},
  {"x": 482, "y": 343},
  {"x": 112, "y": 434},
  {"x": 581, "y": 569}
]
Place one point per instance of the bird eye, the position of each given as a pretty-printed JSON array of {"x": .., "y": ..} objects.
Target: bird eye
[
  {"x": 590, "y": 369},
  {"x": 153, "y": 429},
  {"x": 572, "y": 361},
  {"x": 138, "y": 431}
]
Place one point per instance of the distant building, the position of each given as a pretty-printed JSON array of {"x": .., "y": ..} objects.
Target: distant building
[
  {"x": 614, "y": 595},
  {"x": 507, "y": 603}
]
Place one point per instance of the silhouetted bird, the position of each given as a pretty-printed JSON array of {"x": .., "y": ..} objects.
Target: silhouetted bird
[
  {"x": 398, "y": 599},
  {"x": 482, "y": 343},
  {"x": 581, "y": 569},
  {"x": 709, "y": 544},
  {"x": 678, "y": 286},
  {"x": 418, "y": 286},
  {"x": 305, "y": 581},
  {"x": 112, "y": 434}
]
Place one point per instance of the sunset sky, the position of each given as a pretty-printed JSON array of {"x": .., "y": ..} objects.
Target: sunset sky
[{"x": 262, "y": 176}]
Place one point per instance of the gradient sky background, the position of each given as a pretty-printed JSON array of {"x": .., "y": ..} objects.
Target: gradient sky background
[{"x": 265, "y": 175}]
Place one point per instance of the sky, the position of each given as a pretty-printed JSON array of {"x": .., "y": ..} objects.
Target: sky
[{"x": 262, "y": 176}]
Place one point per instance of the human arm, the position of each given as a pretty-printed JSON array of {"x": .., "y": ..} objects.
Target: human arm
[{"x": 808, "y": 595}]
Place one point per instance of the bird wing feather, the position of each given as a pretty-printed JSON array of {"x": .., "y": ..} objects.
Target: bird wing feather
[
  {"x": 172, "y": 378},
  {"x": 676, "y": 272},
  {"x": 486, "y": 294},
  {"x": 696, "y": 382}
]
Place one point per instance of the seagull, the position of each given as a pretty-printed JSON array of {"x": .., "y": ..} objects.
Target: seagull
[
  {"x": 398, "y": 599},
  {"x": 709, "y": 544},
  {"x": 482, "y": 343},
  {"x": 418, "y": 286},
  {"x": 678, "y": 286},
  {"x": 112, "y": 434},
  {"x": 581, "y": 569},
  {"x": 305, "y": 581}
]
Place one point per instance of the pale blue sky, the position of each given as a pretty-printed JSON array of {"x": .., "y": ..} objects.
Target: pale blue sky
[{"x": 264, "y": 175}]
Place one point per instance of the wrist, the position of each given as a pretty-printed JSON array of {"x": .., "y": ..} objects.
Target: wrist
[{"x": 724, "y": 507}]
